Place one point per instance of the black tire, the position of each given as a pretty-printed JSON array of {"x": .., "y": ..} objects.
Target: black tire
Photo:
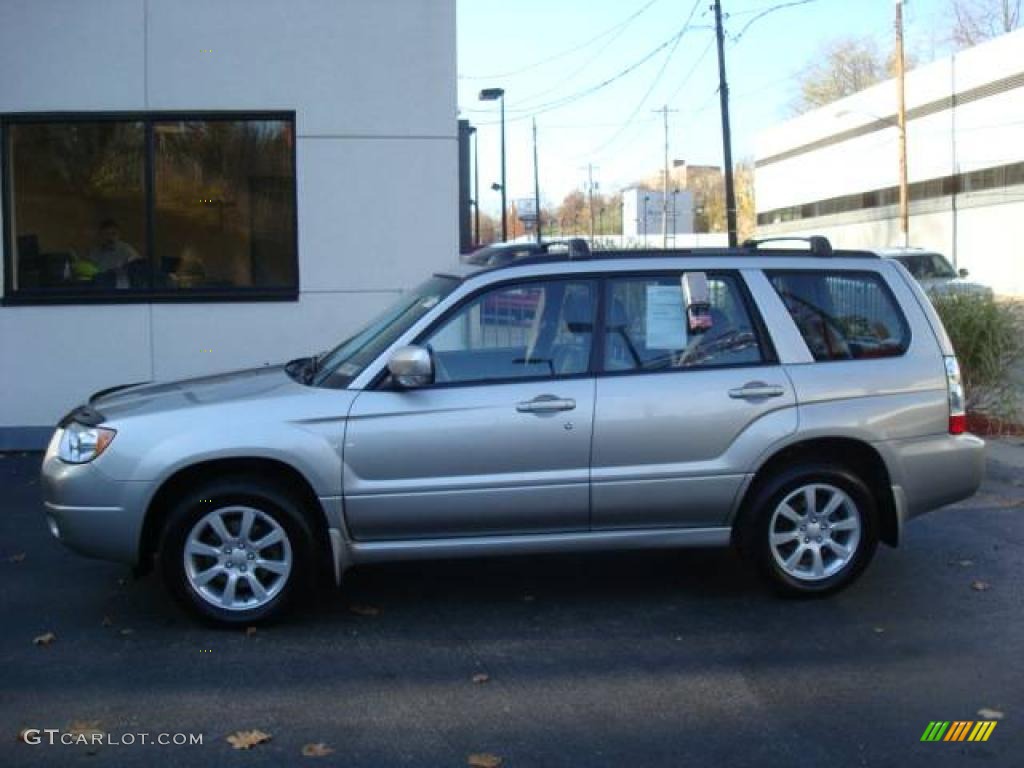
[
  {"x": 255, "y": 493},
  {"x": 754, "y": 535}
]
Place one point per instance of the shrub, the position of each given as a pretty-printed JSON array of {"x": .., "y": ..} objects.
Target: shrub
[{"x": 988, "y": 336}]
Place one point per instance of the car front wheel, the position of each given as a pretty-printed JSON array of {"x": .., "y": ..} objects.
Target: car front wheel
[{"x": 236, "y": 551}]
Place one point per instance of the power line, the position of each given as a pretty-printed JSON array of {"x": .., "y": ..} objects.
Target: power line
[
  {"x": 572, "y": 75},
  {"x": 636, "y": 110},
  {"x": 617, "y": 28},
  {"x": 566, "y": 100},
  {"x": 766, "y": 12}
]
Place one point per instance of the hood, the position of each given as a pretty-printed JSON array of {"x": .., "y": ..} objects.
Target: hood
[
  {"x": 944, "y": 286},
  {"x": 137, "y": 399}
]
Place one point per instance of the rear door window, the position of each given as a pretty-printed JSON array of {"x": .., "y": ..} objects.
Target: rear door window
[
  {"x": 646, "y": 327},
  {"x": 843, "y": 315}
]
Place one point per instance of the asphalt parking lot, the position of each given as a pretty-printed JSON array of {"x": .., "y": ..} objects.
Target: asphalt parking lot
[{"x": 665, "y": 659}]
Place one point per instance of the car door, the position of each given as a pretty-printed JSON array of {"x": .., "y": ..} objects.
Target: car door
[
  {"x": 681, "y": 415},
  {"x": 499, "y": 443}
]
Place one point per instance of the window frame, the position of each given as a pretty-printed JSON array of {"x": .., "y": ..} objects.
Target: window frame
[
  {"x": 878, "y": 278},
  {"x": 148, "y": 118},
  {"x": 381, "y": 381}
]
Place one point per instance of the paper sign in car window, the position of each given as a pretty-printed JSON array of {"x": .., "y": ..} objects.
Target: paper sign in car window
[{"x": 665, "y": 325}]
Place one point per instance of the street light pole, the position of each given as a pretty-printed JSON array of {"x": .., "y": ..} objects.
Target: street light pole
[
  {"x": 901, "y": 116},
  {"x": 490, "y": 94},
  {"x": 536, "y": 185},
  {"x": 476, "y": 188}
]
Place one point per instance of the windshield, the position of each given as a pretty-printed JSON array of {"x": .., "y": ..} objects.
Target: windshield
[
  {"x": 348, "y": 359},
  {"x": 925, "y": 266}
]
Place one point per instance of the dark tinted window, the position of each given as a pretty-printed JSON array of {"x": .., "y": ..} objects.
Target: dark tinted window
[
  {"x": 646, "y": 326},
  {"x": 224, "y": 209},
  {"x": 77, "y": 209},
  {"x": 220, "y": 217},
  {"x": 843, "y": 315},
  {"x": 530, "y": 330}
]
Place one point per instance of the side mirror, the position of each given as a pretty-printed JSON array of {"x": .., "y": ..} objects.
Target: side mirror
[
  {"x": 411, "y": 367},
  {"x": 963, "y": 272}
]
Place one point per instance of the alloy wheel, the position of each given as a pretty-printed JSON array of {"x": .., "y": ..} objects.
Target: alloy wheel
[
  {"x": 815, "y": 532},
  {"x": 237, "y": 558}
]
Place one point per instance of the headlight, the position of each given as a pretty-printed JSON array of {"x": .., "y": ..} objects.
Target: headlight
[{"x": 80, "y": 443}]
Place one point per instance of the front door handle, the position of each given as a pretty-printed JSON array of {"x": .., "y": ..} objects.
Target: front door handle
[
  {"x": 546, "y": 404},
  {"x": 756, "y": 390}
]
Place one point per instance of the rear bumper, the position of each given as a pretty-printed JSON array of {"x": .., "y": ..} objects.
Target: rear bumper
[{"x": 931, "y": 472}]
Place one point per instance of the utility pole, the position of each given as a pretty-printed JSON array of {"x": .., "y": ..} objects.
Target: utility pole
[
  {"x": 590, "y": 199},
  {"x": 590, "y": 202},
  {"x": 664, "y": 185},
  {"x": 723, "y": 93},
  {"x": 536, "y": 183},
  {"x": 901, "y": 117}
]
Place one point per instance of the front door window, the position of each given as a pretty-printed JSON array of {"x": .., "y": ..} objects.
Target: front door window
[{"x": 534, "y": 330}]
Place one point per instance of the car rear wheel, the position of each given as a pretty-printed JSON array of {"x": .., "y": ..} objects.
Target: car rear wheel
[
  {"x": 237, "y": 551},
  {"x": 814, "y": 529}
]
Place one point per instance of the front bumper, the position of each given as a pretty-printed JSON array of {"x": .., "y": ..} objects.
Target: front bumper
[{"x": 91, "y": 513}]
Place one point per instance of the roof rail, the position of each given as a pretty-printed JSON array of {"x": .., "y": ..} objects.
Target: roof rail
[{"x": 819, "y": 244}]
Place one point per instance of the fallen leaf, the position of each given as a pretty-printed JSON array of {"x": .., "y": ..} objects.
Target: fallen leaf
[
  {"x": 481, "y": 677},
  {"x": 44, "y": 639},
  {"x": 484, "y": 760},
  {"x": 990, "y": 714},
  {"x": 107, "y": 622},
  {"x": 980, "y": 586},
  {"x": 879, "y": 630},
  {"x": 250, "y": 631},
  {"x": 16, "y": 558},
  {"x": 247, "y": 739},
  {"x": 127, "y": 631},
  {"x": 364, "y": 610},
  {"x": 965, "y": 563},
  {"x": 84, "y": 727},
  {"x": 316, "y": 750}
]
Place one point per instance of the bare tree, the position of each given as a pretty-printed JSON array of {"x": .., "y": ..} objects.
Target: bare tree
[
  {"x": 975, "y": 21},
  {"x": 839, "y": 68}
]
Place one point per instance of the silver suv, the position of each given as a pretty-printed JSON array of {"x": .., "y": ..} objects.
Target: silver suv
[{"x": 801, "y": 405}]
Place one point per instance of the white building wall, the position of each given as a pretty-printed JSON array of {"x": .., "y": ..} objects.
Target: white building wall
[
  {"x": 373, "y": 88},
  {"x": 680, "y": 212},
  {"x": 979, "y": 134}
]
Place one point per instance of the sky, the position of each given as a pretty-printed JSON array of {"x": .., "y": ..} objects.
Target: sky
[{"x": 546, "y": 52}]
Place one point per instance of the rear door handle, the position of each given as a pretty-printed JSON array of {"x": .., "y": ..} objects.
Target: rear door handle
[
  {"x": 756, "y": 390},
  {"x": 546, "y": 404}
]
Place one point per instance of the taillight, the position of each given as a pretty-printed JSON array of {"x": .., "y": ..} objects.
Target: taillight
[{"x": 955, "y": 387}]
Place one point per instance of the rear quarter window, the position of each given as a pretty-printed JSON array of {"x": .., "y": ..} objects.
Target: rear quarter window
[{"x": 843, "y": 315}]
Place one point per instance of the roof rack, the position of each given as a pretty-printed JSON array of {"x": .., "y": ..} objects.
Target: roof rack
[{"x": 819, "y": 244}]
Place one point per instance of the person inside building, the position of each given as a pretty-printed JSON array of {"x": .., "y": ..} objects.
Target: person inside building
[{"x": 113, "y": 261}]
